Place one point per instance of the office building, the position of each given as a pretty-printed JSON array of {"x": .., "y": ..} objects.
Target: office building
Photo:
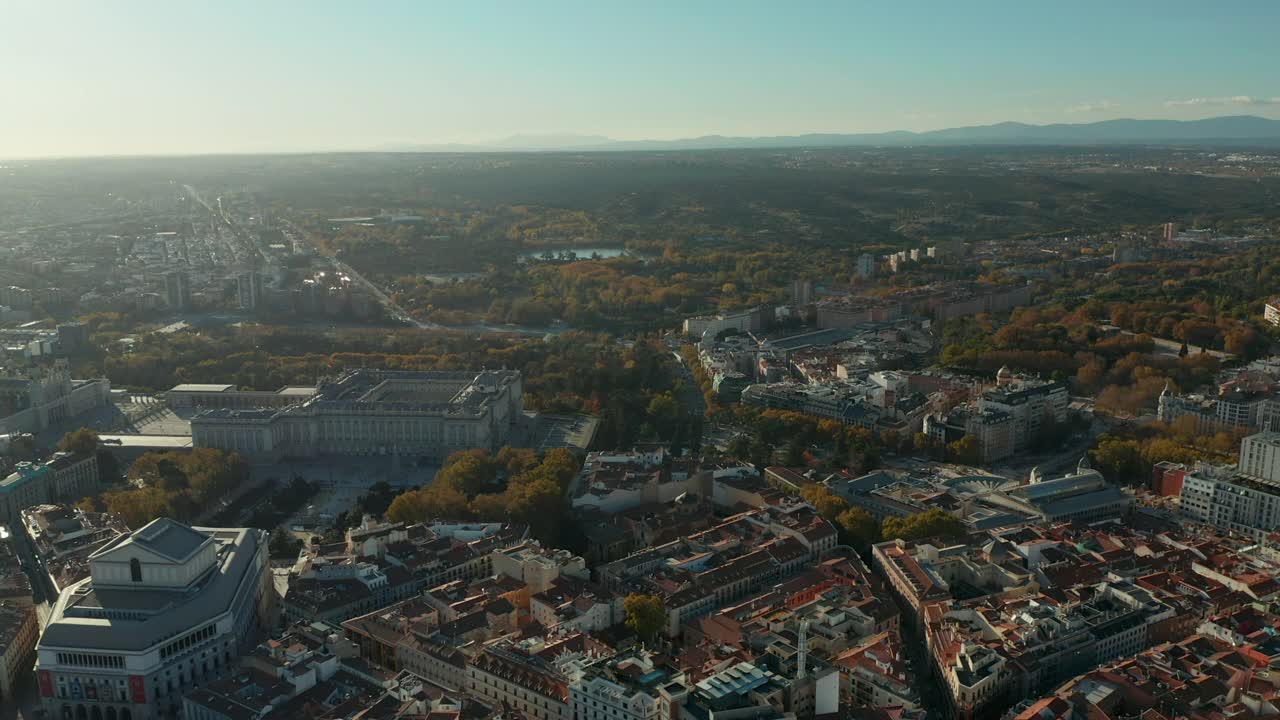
[
  {"x": 1005, "y": 419},
  {"x": 622, "y": 687},
  {"x": 532, "y": 683},
  {"x": 1225, "y": 500},
  {"x": 166, "y": 609},
  {"x": 73, "y": 337},
  {"x": 1260, "y": 457},
  {"x": 801, "y": 292},
  {"x": 177, "y": 290},
  {"x": 67, "y": 477},
  {"x": 375, "y": 412},
  {"x": 1242, "y": 404},
  {"x": 1244, "y": 499},
  {"x": 753, "y": 320},
  {"x": 249, "y": 289},
  {"x": 866, "y": 265},
  {"x": 1271, "y": 311},
  {"x": 1031, "y": 404}
]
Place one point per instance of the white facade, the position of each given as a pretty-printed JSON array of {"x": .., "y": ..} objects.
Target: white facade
[
  {"x": 166, "y": 609},
  {"x": 1029, "y": 404},
  {"x": 525, "y": 683},
  {"x": 588, "y": 613},
  {"x": 41, "y": 398},
  {"x": 537, "y": 567},
  {"x": 1229, "y": 503},
  {"x": 606, "y": 690},
  {"x": 745, "y": 321},
  {"x": 1260, "y": 456},
  {"x": 1271, "y": 312},
  {"x": 368, "y": 412}
]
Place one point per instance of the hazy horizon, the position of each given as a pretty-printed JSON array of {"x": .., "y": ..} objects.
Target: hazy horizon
[{"x": 150, "y": 78}]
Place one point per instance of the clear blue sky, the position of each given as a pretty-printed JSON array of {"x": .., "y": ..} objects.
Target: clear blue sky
[{"x": 176, "y": 76}]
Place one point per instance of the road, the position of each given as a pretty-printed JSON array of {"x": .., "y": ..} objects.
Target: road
[
  {"x": 392, "y": 309},
  {"x": 398, "y": 313},
  {"x": 690, "y": 397},
  {"x": 1172, "y": 347}
]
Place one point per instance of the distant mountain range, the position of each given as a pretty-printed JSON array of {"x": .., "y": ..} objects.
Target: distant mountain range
[{"x": 1228, "y": 130}]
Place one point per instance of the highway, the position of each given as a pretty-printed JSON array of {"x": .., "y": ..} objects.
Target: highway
[
  {"x": 392, "y": 309},
  {"x": 398, "y": 313}
]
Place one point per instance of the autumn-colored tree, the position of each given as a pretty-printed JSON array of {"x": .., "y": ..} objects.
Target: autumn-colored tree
[
  {"x": 1118, "y": 460},
  {"x": 933, "y": 522},
  {"x": 644, "y": 615},
  {"x": 965, "y": 451},
  {"x": 827, "y": 504},
  {"x": 83, "y": 440},
  {"x": 860, "y": 529}
]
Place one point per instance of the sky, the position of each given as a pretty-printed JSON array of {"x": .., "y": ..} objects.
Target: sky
[{"x": 184, "y": 76}]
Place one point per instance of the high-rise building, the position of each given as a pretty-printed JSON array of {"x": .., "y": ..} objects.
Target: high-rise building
[
  {"x": 801, "y": 292},
  {"x": 73, "y": 337},
  {"x": 166, "y": 609},
  {"x": 1260, "y": 457},
  {"x": 249, "y": 289},
  {"x": 1271, "y": 311},
  {"x": 177, "y": 289},
  {"x": 1169, "y": 230},
  {"x": 866, "y": 265},
  {"x": 1237, "y": 503}
]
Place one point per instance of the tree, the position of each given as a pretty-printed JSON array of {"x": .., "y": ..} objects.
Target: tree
[
  {"x": 491, "y": 507},
  {"x": 793, "y": 454},
  {"x": 965, "y": 451},
  {"x": 761, "y": 453},
  {"x": 283, "y": 544},
  {"x": 645, "y": 615},
  {"x": 22, "y": 447},
  {"x": 83, "y": 440},
  {"x": 860, "y": 528},
  {"x": 378, "y": 499},
  {"x": 663, "y": 411},
  {"x": 540, "y": 505},
  {"x": 828, "y": 505},
  {"x": 141, "y": 506},
  {"x": 925, "y": 444},
  {"x": 740, "y": 447},
  {"x": 1119, "y": 460},
  {"x": 933, "y": 522}
]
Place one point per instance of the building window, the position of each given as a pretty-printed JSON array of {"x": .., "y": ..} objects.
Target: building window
[{"x": 135, "y": 570}]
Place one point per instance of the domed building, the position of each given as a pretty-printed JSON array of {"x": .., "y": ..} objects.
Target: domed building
[{"x": 1005, "y": 377}]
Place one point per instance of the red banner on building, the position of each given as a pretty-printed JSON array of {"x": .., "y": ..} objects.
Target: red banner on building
[
  {"x": 46, "y": 683},
  {"x": 138, "y": 687}
]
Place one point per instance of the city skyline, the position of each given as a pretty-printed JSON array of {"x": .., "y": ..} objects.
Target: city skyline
[{"x": 85, "y": 79}]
